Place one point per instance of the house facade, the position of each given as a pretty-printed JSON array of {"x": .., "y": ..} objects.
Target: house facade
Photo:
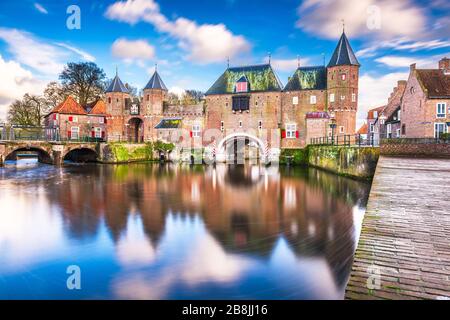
[{"x": 71, "y": 121}]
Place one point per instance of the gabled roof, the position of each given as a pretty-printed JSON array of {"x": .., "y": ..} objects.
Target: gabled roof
[
  {"x": 169, "y": 124},
  {"x": 370, "y": 114},
  {"x": 156, "y": 82},
  {"x": 117, "y": 86},
  {"x": 364, "y": 129},
  {"x": 436, "y": 83},
  {"x": 343, "y": 54},
  {"x": 308, "y": 78},
  {"x": 69, "y": 106},
  {"x": 99, "y": 108},
  {"x": 260, "y": 77}
]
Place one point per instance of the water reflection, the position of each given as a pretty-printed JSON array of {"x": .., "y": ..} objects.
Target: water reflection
[{"x": 173, "y": 232}]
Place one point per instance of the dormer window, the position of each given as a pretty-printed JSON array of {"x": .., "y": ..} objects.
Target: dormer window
[
  {"x": 343, "y": 77},
  {"x": 242, "y": 85}
]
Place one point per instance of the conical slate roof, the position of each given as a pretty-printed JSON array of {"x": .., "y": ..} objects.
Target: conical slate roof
[
  {"x": 343, "y": 54},
  {"x": 156, "y": 83},
  {"x": 117, "y": 86}
]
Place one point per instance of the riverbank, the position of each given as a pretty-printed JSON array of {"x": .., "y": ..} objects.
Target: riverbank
[{"x": 403, "y": 251}]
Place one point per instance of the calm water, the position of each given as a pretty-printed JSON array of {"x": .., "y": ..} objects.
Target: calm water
[{"x": 177, "y": 232}]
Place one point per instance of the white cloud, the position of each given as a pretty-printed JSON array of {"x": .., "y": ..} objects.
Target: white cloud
[
  {"x": 40, "y": 8},
  {"x": 397, "y": 18},
  {"x": 374, "y": 91},
  {"x": 15, "y": 82},
  {"x": 288, "y": 65},
  {"x": 402, "y": 44},
  {"x": 83, "y": 54},
  {"x": 133, "y": 50},
  {"x": 206, "y": 43},
  {"x": 177, "y": 91},
  {"x": 45, "y": 58}
]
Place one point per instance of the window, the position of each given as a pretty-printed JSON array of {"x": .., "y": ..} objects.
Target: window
[
  {"x": 148, "y": 97},
  {"x": 240, "y": 123},
  {"x": 341, "y": 129},
  {"x": 295, "y": 100},
  {"x": 403, "y": 129},
  {"x": 332, "y": 97},
  {"x": 259, "y": 124},
  {"x": 221, "y": 126},
  {"x": 375, "y": 114},
  {"x": 399, "y": 113},
  {"x": 440, "y": 110},
  {"x": 241, "y": 103},
  {"x": 353, "y": 97},
  {"x": 389, "y": 130},
  {"x": 241, "y": 86},
  {"x": 439, "y": 129},
  {"x": 313, "y": 99},
  {"x": 398, "y": 133},
  {"x": 371, "y": 127},
  {"x": 196, "y": 131},
  {"x": 109, "y": 100},
  {"x": 74, "y": 133},
  {"x": 342, "y": 97},
  {"x": 101, "y": 120},
  {"x": 343, "y": 76},
  {"x": 291, "y": 131},
  {"x": 98, "y": 132},
  {"x": 412, "y": 90}
]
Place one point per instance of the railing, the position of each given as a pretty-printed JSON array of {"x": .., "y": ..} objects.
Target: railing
[
  {"x": 30, "y": 133},
  {"x": 343, "y": 140}
]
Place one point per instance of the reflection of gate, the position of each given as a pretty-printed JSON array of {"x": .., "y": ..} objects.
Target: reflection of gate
[
  {"x": 135, "y": 130},
  {"x": 240, "y": 146}
]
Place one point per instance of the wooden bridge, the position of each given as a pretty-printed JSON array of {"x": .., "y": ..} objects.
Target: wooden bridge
[{"x": 50, "y": 152}]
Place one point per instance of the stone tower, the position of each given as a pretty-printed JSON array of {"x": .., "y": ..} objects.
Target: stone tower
[
  {"x": 342, "y": 84},
  {"x": 155, "y": 93},
  {"x": 118, "y": 101}
]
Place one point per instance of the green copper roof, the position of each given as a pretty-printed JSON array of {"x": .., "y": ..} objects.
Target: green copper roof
[
  {"x": 261, "y": 78},
  {"x": 308, "y": 78}
]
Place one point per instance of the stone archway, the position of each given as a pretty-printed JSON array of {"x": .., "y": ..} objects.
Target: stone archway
[
  {"x": 236, "y": 142},
  {"x": 81, "y": 155},
  {"x": 42, "y": 155},
  {"x": 135, "y": 130}
]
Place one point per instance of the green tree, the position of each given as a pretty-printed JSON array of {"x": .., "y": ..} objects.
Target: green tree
[{"x": 84, "y": 81}]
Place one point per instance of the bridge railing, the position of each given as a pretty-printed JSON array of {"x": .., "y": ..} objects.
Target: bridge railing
[
  {"x": 343, "y": 140},
  {"x": 32, "y": 133}
]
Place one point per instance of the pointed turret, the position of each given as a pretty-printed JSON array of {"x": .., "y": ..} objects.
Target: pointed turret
[
  {"x": 343, "y": 54},
  {"x": 117, "y": 86},
  {"x": 156, "y": 82}
]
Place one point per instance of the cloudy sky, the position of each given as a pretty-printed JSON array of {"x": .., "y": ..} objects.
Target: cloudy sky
[{"x": 191, "y": 40}]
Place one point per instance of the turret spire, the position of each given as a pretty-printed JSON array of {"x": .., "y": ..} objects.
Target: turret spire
[{"x": 343, "y": 54}]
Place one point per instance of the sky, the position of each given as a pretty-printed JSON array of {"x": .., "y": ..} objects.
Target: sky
[{"x": 191, "y": 41}]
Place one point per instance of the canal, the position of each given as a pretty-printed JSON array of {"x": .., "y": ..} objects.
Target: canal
[{"x": 150, "y": 231}]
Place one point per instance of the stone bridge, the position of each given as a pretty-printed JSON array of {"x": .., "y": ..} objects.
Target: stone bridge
[{"x": 50, "y": 152}]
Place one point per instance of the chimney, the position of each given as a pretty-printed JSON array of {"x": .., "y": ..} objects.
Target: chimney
[
  {"x": 412, "y": 67},
  {"x": 444, "y": 64}
]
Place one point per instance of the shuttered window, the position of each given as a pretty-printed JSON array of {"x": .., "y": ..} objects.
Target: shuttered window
[{"x": 241, "y": 103}]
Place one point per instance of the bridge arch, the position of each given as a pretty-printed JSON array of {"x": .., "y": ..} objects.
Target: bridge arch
[
  {"x": 221, "y": 153},
  {"x": 80, "y": 154},
  {"x": 43, "y": 155}
]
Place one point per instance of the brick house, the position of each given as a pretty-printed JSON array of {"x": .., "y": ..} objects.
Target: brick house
[
  {"x": 71, "y": 121},
  {"x": 425, "y": 106},
  {"x": 372, "y": 129}
]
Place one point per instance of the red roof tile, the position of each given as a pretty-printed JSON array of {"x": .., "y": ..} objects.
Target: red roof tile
[
  {"x": 69, "y": 106},
  {"x": 435, "y": 81},
  {"x": 371, "y": 111},
  {"x": 99, "y": 108},
  {"x": 363, "y": 130}
]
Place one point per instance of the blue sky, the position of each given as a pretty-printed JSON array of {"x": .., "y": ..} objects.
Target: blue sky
[{"x": 191, "y": 40}]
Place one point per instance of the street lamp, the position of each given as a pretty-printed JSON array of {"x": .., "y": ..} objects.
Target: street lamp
[{"x": 333, "y": 125}]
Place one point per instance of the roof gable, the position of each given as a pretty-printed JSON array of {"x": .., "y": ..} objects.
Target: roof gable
[
  {"x": 343, "y": 54},
  {"x": 117, "y": 86},
  {"x": 260, "y": 77},
  {"x": 99, "y": 108},
  {"x": 436, "y": 83},
  {"x": 156, "y": 82},
  {"x": 69, "y": 106},
  {"x": 308, "y": 78}
]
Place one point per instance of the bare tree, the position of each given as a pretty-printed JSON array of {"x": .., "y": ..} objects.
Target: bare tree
[
  {"x": 84, "y": 81},
  {"x": 28, "y": 111},
  {"x": 54, "y": 94}
]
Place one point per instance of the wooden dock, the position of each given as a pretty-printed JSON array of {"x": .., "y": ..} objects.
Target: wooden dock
[{"x": 404, "y": 247}]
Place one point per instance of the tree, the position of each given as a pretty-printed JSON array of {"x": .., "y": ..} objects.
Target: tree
[
  {"x": 84, "y": 81},
  {"x": 195, "y": 95},
  {"x": 54, "y": 94},
  {"x": 29, "y": 111}
]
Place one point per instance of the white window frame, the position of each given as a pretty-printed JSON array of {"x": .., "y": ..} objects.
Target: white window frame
[
  {"x": 291, "y": 130},
  {"x": 222, "y": 127},
  {"x": 75, "y": 136},
  {"x": 341, "y": 129},
  {"x": 97, "y": 132},
  {"x": 101, "y": 120},
  {"x": 399, "y": 114},
  {"x": 342, "y": 98},
  {"x": 343, "y": 76},
  {"x": 375, "y": 114},
  {"x": 436, "y": 124},
  {"x": 353, "y": 97},
  {"x": 313, "y": 99},
  {"x": 399, "y": 133},
  {"x": 389, "y": 129},
  {"x": 295, "y": 100},
  {"x": 332, "y": 97},
  {"x": 441, "y": 114},
  {"x": 196, "y": 130}
]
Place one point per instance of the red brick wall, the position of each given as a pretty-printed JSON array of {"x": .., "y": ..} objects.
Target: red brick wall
[{"x": 404, "y": 147}]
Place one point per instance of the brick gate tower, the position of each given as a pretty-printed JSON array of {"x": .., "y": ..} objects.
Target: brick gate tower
[{"x": 342, "y": 80}]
